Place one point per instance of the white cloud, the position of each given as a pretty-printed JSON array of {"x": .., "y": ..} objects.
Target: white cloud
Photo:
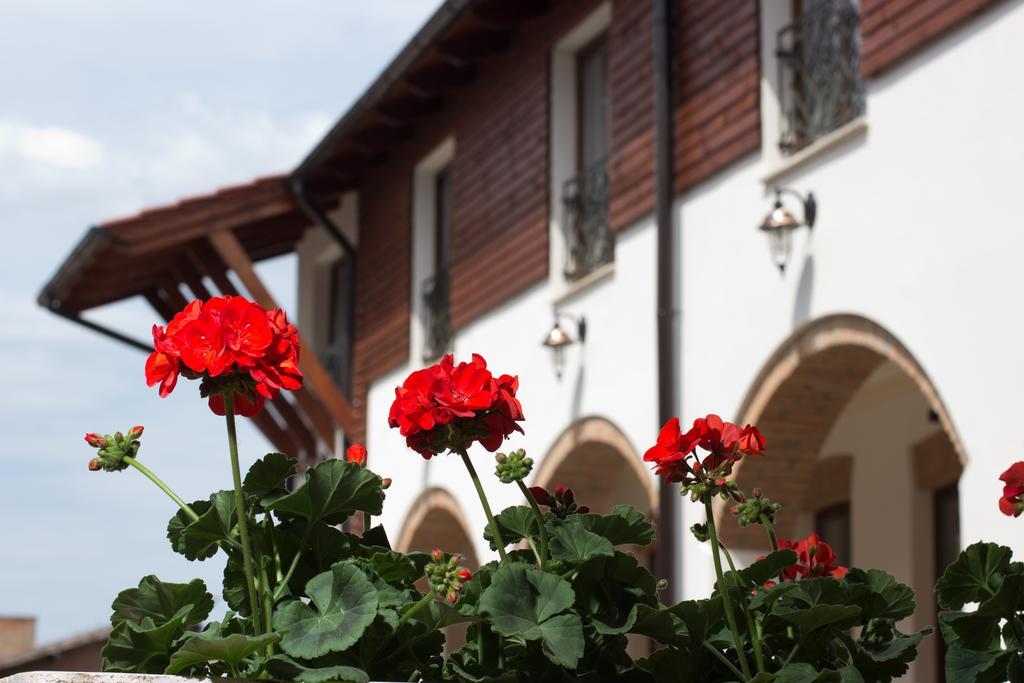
[{"x": 54, "y": 146}]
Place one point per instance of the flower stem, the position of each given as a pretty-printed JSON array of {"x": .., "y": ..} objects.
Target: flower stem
[
  {"x": 243, "y": 527},
  {"x": 754, "y": 639},
  {"x": 162, "y": 486},
  {"x": 714, "y": 650},
  {"x": 770, "y": 528},
  {"x": 366, "y": 522},
  {"x": 543, "y": 557},
  {"x": 498, "y": 541},
  {"x": 723, "y": 588},
  {"x": 267, "y": 606},
  {"x": 283, "y": 583}
]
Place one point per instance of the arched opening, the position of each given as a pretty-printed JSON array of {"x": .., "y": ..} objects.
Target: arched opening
[
  {"x": 436, "y": 521},
  {"x": 596, "y": 460},
  {"x": 861, "y": 450}
]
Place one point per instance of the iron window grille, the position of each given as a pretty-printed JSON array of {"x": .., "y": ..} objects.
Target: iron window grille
[
  {"x": 437, "y": 315},
  {"x": 819, "y": 72},
  {"x": 588, "y": 240}
]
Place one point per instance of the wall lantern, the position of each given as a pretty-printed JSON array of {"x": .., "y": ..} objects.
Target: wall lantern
[
  {"x": 780, "y": 224},
  {"x": 558, "y": 338}
]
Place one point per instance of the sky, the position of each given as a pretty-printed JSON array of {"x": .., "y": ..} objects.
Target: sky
[{"x": 109, "y": 107}]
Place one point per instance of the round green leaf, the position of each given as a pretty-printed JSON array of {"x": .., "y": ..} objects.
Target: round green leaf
[
  {"x": 334, "y": 489},
  {"x": 345, "y": 602},
  {"x": 524, "y": 602},
  {"x": 975, "y": 576},
  {"x": 162, "y": 602},
  {"x": 231, "y": 649}
]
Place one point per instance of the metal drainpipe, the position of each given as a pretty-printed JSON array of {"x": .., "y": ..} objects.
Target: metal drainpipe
[
  {"x": 669, "y": 545},
  {"x": 298, "y": 191}
]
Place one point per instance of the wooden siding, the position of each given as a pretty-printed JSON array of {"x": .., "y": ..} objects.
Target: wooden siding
[
  {"x": 717, "y": 86},
  {"x": 631, "y": 94},
  {"x": 892, "y": 30}
]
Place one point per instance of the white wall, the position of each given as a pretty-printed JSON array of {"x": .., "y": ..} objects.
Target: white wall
[{"x": 919, "y": 229}]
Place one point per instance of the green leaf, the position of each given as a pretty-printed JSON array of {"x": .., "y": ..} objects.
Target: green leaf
[
  {"x": 658, "y": 623},
  {"x": 882, "y": 597},
  {"x": 267, "y": 476},
  {"x": 624, "y": 526},
  {"x": 515, "y": 523},
  {"x": 286, "y": 668},
  {"x": 334, "y": 489},
  {"x": 231, "y": 649},
  {"x": 608, "y": 588},
  {"x": 975, "y": 576},
  {"x": 702, "y": 617},
  {"x": 177, "y": 524},
  {"x": 525, "y": 603},
  {"x": 162, "y": 602},
  {"x": 572, "y": 542},
  {"x": 395, "y": 567},
  {"x": 201, "y": 538},
  {"x": 768, "y": 568},
  {"x": 323, "y": 546},
  {"x": 805, "y": 673},
  {"x": 346, "y": 603},
  {"x": 819, "y": 616},
  {"x": 888, "y": 661},
  {"x": 143, "y": 647},
  {"x": 972, "y": 666}
]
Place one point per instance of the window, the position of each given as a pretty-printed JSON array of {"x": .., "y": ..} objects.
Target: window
[
  {"x": 436, "y": 288},
  {"x": 818, "y": 57},
  {"x": 832, "y": 524},
  {"x": 946, "y": 516},
  {"x": 588, "y": 241},
  {"x": 336, "y": 352}
]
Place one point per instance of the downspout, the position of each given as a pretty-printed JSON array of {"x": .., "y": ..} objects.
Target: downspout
[
  {"x": 669, "y": 545},
  {"x": 315, "y": 214}
]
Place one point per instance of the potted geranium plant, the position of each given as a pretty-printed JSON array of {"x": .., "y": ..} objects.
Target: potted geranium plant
[{"x": 309, "y": 601}]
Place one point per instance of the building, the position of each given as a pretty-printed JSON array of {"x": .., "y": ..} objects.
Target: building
[
  {"x": 19, "y": 652},
  {"x": 544, "y": 161}
]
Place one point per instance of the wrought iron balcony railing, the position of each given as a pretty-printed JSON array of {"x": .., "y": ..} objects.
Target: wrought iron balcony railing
[
  {"x": 820, "y": 88},
  {"x": 437, "y": 315},
  {"x": 588, "y": 241}
]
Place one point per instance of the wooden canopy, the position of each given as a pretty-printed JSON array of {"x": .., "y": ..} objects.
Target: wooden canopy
[{"x": 170, "y": 255}]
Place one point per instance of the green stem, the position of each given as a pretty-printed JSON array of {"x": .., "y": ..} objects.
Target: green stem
[
  {"x": 267, "y": 606},
  {"x": 770, "y": 529},
  {"x": 162, "y": 486},
  {"x": 792, "y": 653},
  {"x": 283, "y": 584},
  {"x": 409, "y": 613},
  {"x": 543, "y": 558},
  {"x": 536, "y": 553},
  {"x": 243, "y": 526},
  {"x": 724, "y": 590},
  {"x": 366, "y": 522},
  {"x": 725, "y": 660},
  {"x": 498, "y": 541},
  {"x": 754, "y": 639}
]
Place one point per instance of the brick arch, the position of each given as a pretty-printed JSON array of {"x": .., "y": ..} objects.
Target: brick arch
[
  {"x": 435, "y": 520},
  {"x": 798, "y": 395},
  {"x": 596, "y": 459}
]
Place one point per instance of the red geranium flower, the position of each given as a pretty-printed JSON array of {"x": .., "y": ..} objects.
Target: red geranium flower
[
  {"x": 356, "y": 453},
  {"x": 724, "y": 442},
  {"x": 448, "y": 406},
  {"x": 815, "y": 558},
  {"x": 1012, "y": 501},
  {"x": 233, "y": 345}
]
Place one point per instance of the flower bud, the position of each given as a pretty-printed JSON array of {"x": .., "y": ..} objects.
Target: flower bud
[
  {"x": 94, "y": 465},
  {"x": 500, "y": 458},
  {"x": 700, "y": 532},
  {"x": 356, "y": 453},
  {"x": 465, "y": 574},
  {"x": 94, "y": 440},
  {"x": 437, "y": 555},
  {"x": 662, "y": 584},
  {"x": 385, "y": 482},
  {"x": 513, "y": 467},
  {"x": 135, "y": 432}
]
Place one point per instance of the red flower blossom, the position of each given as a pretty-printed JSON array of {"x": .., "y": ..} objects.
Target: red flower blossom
[
  {"x": 448, "y": 406},
  {"x": 356, "y": 453},
  {"x": 815, "y": 558},
  {"x": 1011, "y": 503},
  {"x": 724, "y": 442},
  {"x": 94, "y": 440},
  {"x": 232, "y": 344}
]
